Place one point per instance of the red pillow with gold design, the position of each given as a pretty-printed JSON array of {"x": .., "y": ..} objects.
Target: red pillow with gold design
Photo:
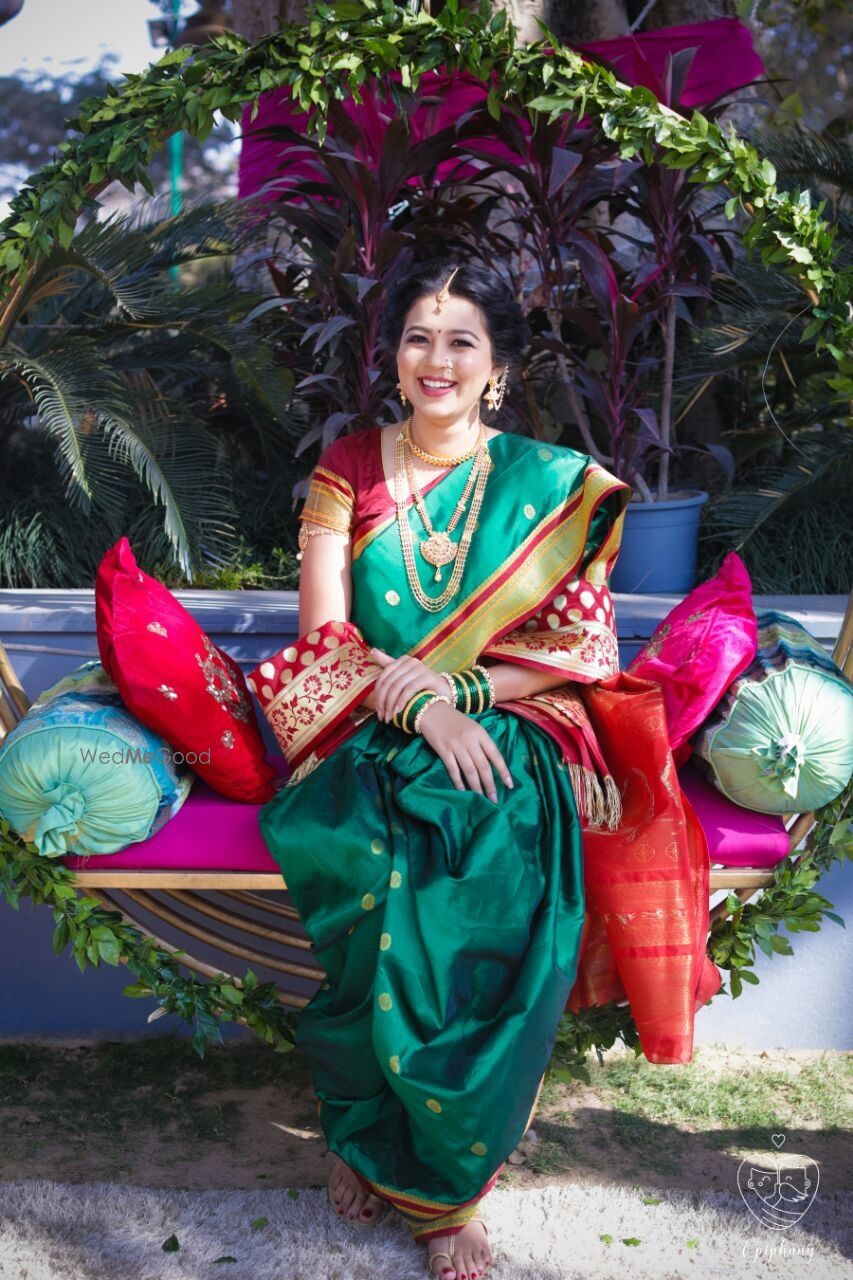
[{"x": 176, "y": 681}]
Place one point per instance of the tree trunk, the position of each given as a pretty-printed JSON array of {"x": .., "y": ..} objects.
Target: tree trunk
[{"x": 676, "y": 13}]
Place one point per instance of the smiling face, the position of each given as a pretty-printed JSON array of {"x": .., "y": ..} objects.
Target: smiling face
[{"x": 458, "y": 334}]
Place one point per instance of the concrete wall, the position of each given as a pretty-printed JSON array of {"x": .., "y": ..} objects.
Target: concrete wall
[{"x": 801, "y": 1002}]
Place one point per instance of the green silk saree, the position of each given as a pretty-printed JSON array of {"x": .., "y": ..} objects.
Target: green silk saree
[{"x": 448, "y": 926}]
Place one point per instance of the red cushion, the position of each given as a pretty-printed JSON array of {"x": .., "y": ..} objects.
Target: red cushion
[
  {"x": 209, "y": 833},
  {"x": 694, "y": 654},
  {"x": 176, "y": 681},
  {"x": 737, "y": 837}
]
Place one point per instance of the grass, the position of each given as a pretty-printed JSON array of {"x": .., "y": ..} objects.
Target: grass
[
  {"x": 113, "y": 1100},
  {"x": 817, "y": 1096}
]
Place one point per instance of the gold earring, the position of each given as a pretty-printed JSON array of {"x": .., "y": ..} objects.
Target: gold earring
[
  {"x": 495, "y": 393},
  {"x": 403, "y": 399}
]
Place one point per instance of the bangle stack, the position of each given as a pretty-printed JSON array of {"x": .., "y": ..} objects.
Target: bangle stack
[
  {"x": 474, "y": 691},
  {"x": 409, "y": 719},
  {"x": 471, "y": 690}
]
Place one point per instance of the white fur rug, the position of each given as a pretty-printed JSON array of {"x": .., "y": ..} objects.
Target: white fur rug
[{"x": 104, "y": 1231}]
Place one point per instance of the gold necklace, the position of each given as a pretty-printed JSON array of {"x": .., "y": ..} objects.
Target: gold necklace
[
  {"x": 482, "y": 466},
  {"x": 436, "y": 459},
  {"x": 438, "y": 548}
]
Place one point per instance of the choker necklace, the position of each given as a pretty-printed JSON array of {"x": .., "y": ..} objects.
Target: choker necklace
[
  {"x": 438, "y": 548},
  {"x": 435, "y": 458}
]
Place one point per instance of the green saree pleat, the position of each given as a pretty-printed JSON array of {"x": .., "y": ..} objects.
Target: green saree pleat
[{"x": 449, "y": 927}]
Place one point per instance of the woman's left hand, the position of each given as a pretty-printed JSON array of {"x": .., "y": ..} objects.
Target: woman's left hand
[{"x": 399, "y": 680}]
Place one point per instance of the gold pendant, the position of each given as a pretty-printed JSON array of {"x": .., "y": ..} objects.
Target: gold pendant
[{"x": 438, "y": 549}]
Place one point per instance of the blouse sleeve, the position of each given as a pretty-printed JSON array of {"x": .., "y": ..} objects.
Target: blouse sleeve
[{"x": 330, "y": 501}]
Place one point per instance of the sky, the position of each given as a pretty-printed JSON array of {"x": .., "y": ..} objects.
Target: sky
[
  {"x": 54, "y": 35},
  {"x": 64, "y": 37}
]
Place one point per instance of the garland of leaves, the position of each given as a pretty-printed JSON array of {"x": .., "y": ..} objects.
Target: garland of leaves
[
  {"x": 97, "y": 934},
  {"x": 345, "y": 43}
]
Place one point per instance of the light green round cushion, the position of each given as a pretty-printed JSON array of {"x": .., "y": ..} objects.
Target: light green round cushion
[
  {"x": 80, "y": 775},
  {"x": 787, "y": 746}
]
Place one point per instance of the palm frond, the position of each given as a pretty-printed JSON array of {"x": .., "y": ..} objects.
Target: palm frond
[
  {"x": 738, "y": 514},
  {"x": 129, "y": 254},
  {"x": 175, "y": 457},
  {"x": 804, "y": 155}
]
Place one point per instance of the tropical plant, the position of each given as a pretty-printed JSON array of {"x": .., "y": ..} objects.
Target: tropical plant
[
  {"x": 346, "y": 43},
  {"x": 130, "y": 399},
  {"x": 788, "y": 417},
  {"x": 547, "y": 210}
]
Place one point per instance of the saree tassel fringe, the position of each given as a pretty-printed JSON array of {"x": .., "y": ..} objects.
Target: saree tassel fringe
[
  {"x": 598, "y": 805},
  {"x": 308, "y": 765}
]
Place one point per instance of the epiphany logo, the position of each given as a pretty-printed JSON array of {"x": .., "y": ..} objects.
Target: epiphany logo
[{"x": 778, "y": 1190}]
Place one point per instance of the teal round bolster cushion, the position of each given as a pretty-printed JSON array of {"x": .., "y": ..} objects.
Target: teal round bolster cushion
[{"x": 80, "y": 774}]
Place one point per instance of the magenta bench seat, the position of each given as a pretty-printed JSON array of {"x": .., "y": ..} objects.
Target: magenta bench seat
[{"x": 211, "y": 833}]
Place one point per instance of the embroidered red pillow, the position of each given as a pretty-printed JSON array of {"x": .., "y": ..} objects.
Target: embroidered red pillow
[{"x": 176, "y": 681}]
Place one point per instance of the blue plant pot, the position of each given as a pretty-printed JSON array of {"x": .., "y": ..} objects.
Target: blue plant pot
[{"x": 658, "y": 550}]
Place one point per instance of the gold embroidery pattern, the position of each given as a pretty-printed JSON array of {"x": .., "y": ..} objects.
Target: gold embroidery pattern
[
  {"x": 330, "y": 501},
  {"x": 574, "y": 632},
  {"x": 299, "y": 712},
  {"x": 542, "y": 565},
  {"x": 655, "y": 645},
  {"x": 221, "y": 683},
  {"x": 157, "y": 628},
  {"x": 589, "y": 649}
]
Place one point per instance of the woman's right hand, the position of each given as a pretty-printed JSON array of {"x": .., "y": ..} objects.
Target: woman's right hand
[{"x": 468, "y": 753}]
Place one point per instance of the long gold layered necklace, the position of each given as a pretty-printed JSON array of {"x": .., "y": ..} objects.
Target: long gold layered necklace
[{"x": 438, "y": 548}]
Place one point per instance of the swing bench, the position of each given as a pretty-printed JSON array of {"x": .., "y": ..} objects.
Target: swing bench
[{"x": 213, "y": 847}]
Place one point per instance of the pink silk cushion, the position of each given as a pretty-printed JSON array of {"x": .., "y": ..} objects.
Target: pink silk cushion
[
  {"x": 176, "y": 681},
  {"x": 699, "y": 648},
  {"x": 737, "y": 837}
]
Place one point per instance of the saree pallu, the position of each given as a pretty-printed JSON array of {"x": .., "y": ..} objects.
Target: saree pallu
[{"x": 454, "y": 931}]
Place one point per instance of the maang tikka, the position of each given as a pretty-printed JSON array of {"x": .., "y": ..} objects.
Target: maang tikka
[{"x": 444, "y": 292}]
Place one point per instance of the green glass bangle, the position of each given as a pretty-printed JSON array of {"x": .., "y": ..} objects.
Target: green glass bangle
[
  {"x": 406, "y": 716},
  {"x": 399, "y": 716},
  {"x": 411, "y": 711},
  {"x": 486, "y": 675},
  {"x": 463, "y": 698},
  {"x": 477, "y": 690}
]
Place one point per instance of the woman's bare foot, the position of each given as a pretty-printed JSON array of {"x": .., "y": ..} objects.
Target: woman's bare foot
[
  {"x": 349, "y": 1196},
  {"x": 471, "y": 1255}
]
